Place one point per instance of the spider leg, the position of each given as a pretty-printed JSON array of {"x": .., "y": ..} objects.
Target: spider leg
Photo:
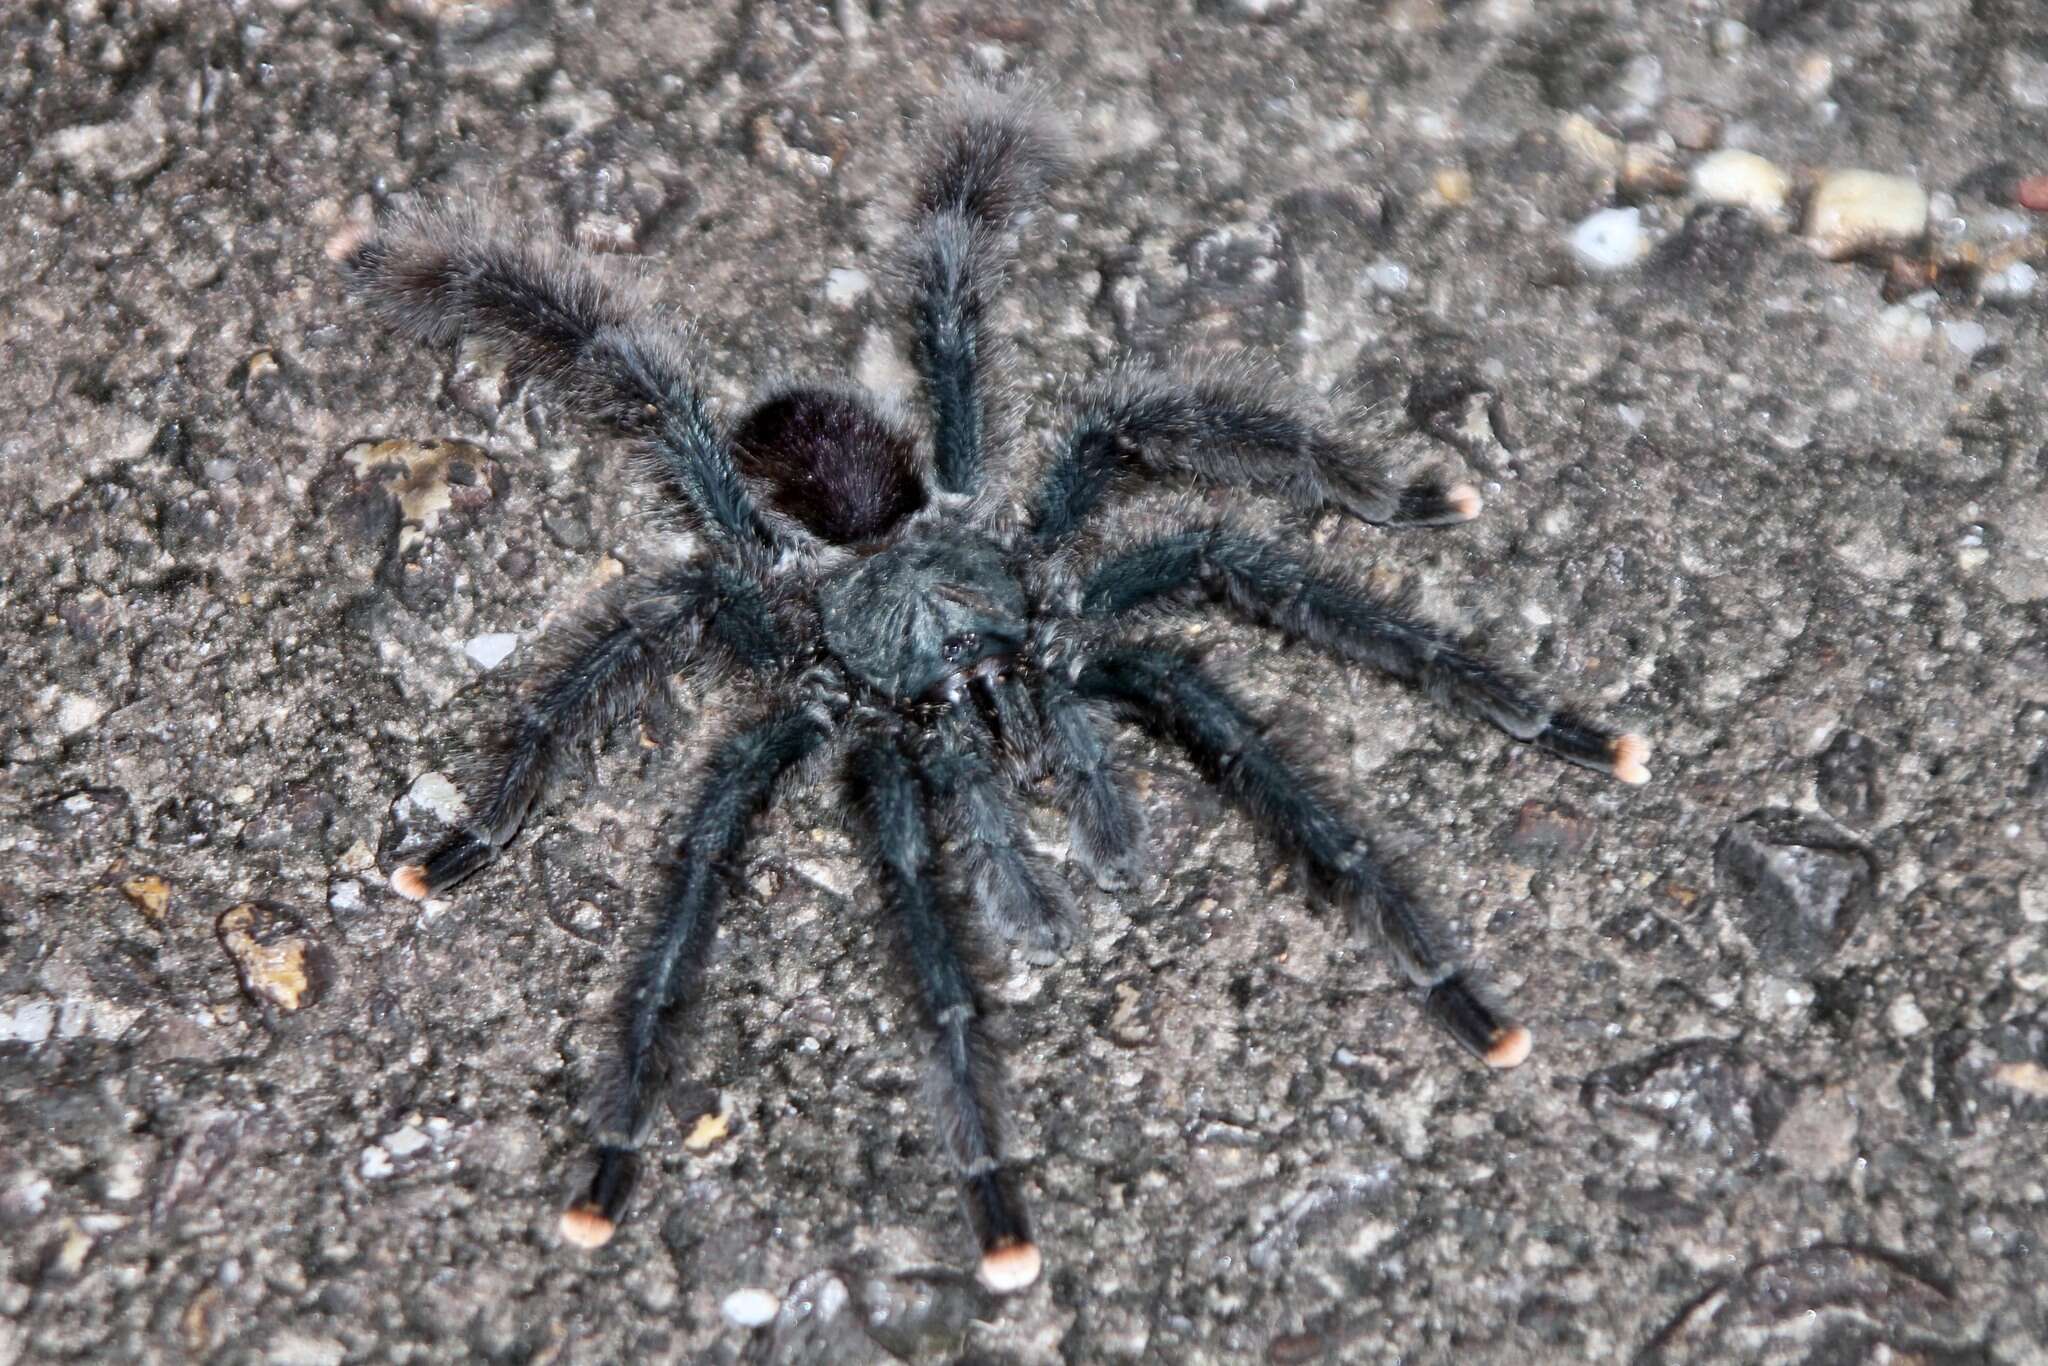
[
  {"x": 988, "y": 163},
  {"x": 1231, "y": 431},
  {"x": 965, "y": 1079},
  {"x": 1338, "y": 614},
  {"x": 739, "y": 780},
  {"x": 602, "y": 668},
  {"x": 435, "y": 276},
  {"x": 1105, "y": 822},
  {"x": 1170, "y": 694},
  {"x": 1015, "y": 888}
]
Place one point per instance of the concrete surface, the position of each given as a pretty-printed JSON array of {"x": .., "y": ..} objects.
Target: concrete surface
[{"x": 1788, "y": 513}]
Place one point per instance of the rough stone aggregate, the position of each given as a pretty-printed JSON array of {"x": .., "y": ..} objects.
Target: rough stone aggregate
[{"x": 1768, "y": 506}]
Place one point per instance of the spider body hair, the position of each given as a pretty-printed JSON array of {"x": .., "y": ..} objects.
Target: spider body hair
[{"x": 949, "y": 649}]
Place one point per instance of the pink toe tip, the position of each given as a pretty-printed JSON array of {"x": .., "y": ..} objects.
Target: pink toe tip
[
  {"x": 1510, "y": 1048},
  {"x": 586, "y": 1226},
  {"x": 1629, "y": 753},
  {"x": 1010, "y": 1267}
]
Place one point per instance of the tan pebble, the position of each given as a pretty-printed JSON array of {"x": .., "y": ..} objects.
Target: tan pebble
[
  {"x": 710, "y": 1129},
  {"x": 1854, "y": 211},
  {"x": 2028, "y": 1076},
  {"x": 150, "y": 894},
  {"x": 279, "y": 962}
]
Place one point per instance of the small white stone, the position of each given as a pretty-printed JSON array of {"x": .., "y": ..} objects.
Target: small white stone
[
  {"x": 1965, "y": 336},
  {"x": 31, "y": 1023},
  {"x": 749, "y": 1307},
  {"x": 492, "y": 650},
  {"x": 1903, "y": 329},
  {"x": 434, "y": 793},
  {"x": 1742, "y": 178},
  {"x": 2026, "y": 78},
  {"x": 75, "y": 713},
  {"x": 375, "y": 1164},
  {"x": 1388, "y": 277},
  {"x": 405, "y": 1141},
  {"x": 1730, "y": 37},
  {"x": 845, "y": 285},
  {"x": 1612, "y": 239},
  {"x": 1852, "y": 211},
  {"x": 1905, "y": 1017},
  {"x": 2016, "y": 281}
]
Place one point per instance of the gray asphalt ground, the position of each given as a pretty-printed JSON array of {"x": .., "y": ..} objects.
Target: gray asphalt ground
[{"x": 1784, "y": 512}]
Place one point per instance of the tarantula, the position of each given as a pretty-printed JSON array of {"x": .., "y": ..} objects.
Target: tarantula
[{"x": 883, "y": 603}]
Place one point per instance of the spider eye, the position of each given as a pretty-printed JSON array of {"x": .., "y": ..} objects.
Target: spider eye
[{"x": 960, "y": 646}]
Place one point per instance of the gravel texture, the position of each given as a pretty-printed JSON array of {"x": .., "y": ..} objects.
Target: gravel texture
[{"x": 260, "y": 568}]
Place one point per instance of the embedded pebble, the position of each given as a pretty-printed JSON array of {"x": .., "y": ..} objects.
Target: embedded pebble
[
  {"x": 437, "y": 796},
  {"x": 2026, "y": 78},
  {"x": 492, "y": 650},
  {"x": 31, "y": 1023},
  {"x": 845, "y": 285},
  {"x": 1965, "y": 336},
  {"x": 749, "y": 1307},
  {"x": 1903, "y": 328},
  {"x": 1743, "y": 179},
  {"x": 1388, "y": 277},
  {"x": 279, "y": 960},
  {"x": 1729, "y": 37},
  {"x": 1612, "y": 239},
  {"x": 1853, "y": 211},
  {"x": 149, "y": 894},
  {"x": 1795, "y": 886},
  {"x": 2016, "y": 281},
  {"x": 1905, "y": 1017},
  {"x": 75, "y": 713}
]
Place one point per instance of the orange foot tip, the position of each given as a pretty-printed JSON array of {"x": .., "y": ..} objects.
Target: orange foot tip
[
  {"x": 1629, "y": 752},
  {"x": 586, "y": 1226},
  {"x": 1464, "y": 500},
  {"x": 1010, "y": 1267},
  {"x": 410, "y": 882},
  {"x": 1510, "y": 1047}
]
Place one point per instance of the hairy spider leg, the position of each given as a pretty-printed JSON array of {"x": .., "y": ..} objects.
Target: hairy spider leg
[
  {"x": 988, "y": 163},
  {"x": 1170, "y": 695},
  {"x": 1335, "y": 613},
  {"x": 966, "y": 1082},
  {"x": 1227, "y": 430},
  {"x": 738, "y": 782},
  {"x": 1105, "y": 823},
  {"x": 1018, "y": 892},
  {"x": 436, "y": 277},
  {"x": 604, "y": 666}
]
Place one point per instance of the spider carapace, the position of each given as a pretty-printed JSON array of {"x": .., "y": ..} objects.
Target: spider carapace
[{"x": 866, "y": 583}]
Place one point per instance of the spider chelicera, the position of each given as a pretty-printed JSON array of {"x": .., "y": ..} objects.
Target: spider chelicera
[{"x": 871, "y": 586}]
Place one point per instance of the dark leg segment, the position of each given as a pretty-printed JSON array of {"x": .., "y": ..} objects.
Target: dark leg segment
[
  {"x": 1016, "y": 890},
  {"x": 988, "y": 163},
  {"x": 1227, "y": 431},
  {"x": 965, "y": 1080},
  {"x": 1106, "y": 823},
  {"x": 1336, "y": 613},
  {"x": 436, "y": 277},
  {"x": 738, "y": 782},
  {"x": 600, "y": 670},
  {"x": 1171, "y": 695}
]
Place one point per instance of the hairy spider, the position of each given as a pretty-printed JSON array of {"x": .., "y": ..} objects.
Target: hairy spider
[{"x": 873, "y": 591}]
